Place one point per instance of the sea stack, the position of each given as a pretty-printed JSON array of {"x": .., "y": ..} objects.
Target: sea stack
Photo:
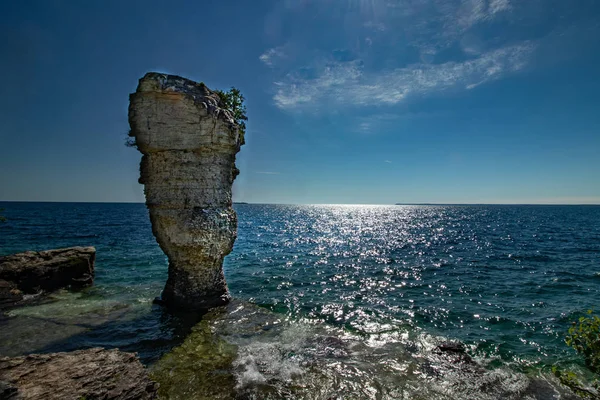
[{"x": 189, "y": 143}]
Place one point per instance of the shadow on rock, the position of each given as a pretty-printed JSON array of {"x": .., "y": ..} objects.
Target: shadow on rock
[{"x": 149, "y": 330}]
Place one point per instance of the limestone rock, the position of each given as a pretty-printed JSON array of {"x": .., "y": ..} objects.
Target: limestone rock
[
  {"x": 32, "y": 271},
  {"x": 84, "y": 374},
  {"x": 9, "y": 294},
  {"x": 189, "y": 143}
]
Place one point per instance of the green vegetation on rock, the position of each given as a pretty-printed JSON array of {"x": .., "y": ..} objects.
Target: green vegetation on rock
[
  {"x": 233, "y": 100},
  {"x": 584, "y": 337}
]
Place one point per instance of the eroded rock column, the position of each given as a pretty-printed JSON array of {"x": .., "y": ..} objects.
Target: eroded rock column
[{"x": 189, "y": 143}]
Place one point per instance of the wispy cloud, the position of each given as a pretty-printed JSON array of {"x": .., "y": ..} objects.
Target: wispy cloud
[
  {"x": 496, "y": 6},
  {"x": 271, "y": 56},
  {"x": 365, "y": 127},
  {"x": 387, "y": 161},
  {"x": 377, "y": 26},
  {"x": 435, "y": 25},
  {"x": 347, "y": 84},
  {"x": 375, "y": 122},
  {"x": 384, "y": 52},
  {"x": 268, "y": 173},
  {"x": 471, "y": 12}
]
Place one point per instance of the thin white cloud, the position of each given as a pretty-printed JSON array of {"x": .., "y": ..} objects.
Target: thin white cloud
[
  {"x": 271, "y": 56},
  {"x": 497, "y": 6},
  {"x": 434, "y": 25},
  {"x": 387, "y": 161},
  {"x": 429, "y": 25},
  {"x": 399, "y": 50},
  {"x": 375, "y": 122},
  {"x": 365, "y": 127},
  {"x": 296, "y": 90},
  {"x": 268, "y": 173},
  {"x": 471, "y": 12},
  {"x": 376, "y": 26},
  {"x": 346, "y": 84}
]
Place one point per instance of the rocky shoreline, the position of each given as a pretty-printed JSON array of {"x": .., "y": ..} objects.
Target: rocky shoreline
[
  {"x": 245, "y": 351},
  {"x": 28, "y": 277}
]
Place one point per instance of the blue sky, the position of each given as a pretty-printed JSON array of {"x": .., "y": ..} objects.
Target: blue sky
[{"x": 349, "y": 101}]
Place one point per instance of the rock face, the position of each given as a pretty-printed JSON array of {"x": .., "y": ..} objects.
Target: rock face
[
  {"x": 32, "y": 271},
  {"x": 84, "y": 374},
  {"x": 189, "y": 143}
]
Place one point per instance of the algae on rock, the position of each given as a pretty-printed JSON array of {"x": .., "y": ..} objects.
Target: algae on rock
[
  {"x": 189, "y": 142},
  {"x": 201, "y": 368}
]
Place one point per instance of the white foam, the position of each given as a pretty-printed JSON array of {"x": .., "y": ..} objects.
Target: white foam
[{"x": 274, "y": 358}]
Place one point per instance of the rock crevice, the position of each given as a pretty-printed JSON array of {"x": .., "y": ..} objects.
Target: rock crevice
[{"x": 189, "y": 143}]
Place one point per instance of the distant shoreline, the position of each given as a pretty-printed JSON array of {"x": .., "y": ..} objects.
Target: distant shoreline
[{"x": 493, "y": 204}]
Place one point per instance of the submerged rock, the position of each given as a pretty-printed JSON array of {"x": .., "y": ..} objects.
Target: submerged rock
[
  {"x": 32, "y": 272},
  {"x": 200, "y": 368},
  {"x": 84, "y": 374},
  {"x": 189, "y": 143},
  {"x": 203, "y": 366},
  {"x": 242, "y": 351}
]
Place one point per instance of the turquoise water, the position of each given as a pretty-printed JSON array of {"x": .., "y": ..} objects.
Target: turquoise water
[{"x": 505, "y": 280}]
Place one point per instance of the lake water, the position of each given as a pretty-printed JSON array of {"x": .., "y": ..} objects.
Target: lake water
[{"x": 375, "y": 281}]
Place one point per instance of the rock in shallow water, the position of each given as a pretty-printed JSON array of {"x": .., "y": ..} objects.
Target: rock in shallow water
[
  {"x": 34, "y": 271},
  {"x": 189, "y": 144},
  {"x": 84, "y": 374},
  {"x": 242, "y": 351}
]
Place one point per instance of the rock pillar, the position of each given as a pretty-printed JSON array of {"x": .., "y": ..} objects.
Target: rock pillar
[{"x": 189, "y": 143}]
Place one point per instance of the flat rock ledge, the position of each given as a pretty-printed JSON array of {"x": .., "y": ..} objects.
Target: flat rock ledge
[
  {"x": 84, "y": 374},
  {"x": 34, "y": 272}
]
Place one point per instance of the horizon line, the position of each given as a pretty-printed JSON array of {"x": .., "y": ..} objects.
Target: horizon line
[{"x": 322, "y": 204}]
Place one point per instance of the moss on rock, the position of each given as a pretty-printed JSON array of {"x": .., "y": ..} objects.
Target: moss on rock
[{"x": 201, "y": 368}]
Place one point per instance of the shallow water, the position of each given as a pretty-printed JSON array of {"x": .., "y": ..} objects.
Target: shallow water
[{"x": 382, "y": 283}]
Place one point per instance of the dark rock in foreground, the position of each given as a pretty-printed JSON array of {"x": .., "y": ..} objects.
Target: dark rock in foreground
[
  {"x": 32, "y": 272},
  {"x": 9, "y": 293},
  {"x": 84, "y": 374}
]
